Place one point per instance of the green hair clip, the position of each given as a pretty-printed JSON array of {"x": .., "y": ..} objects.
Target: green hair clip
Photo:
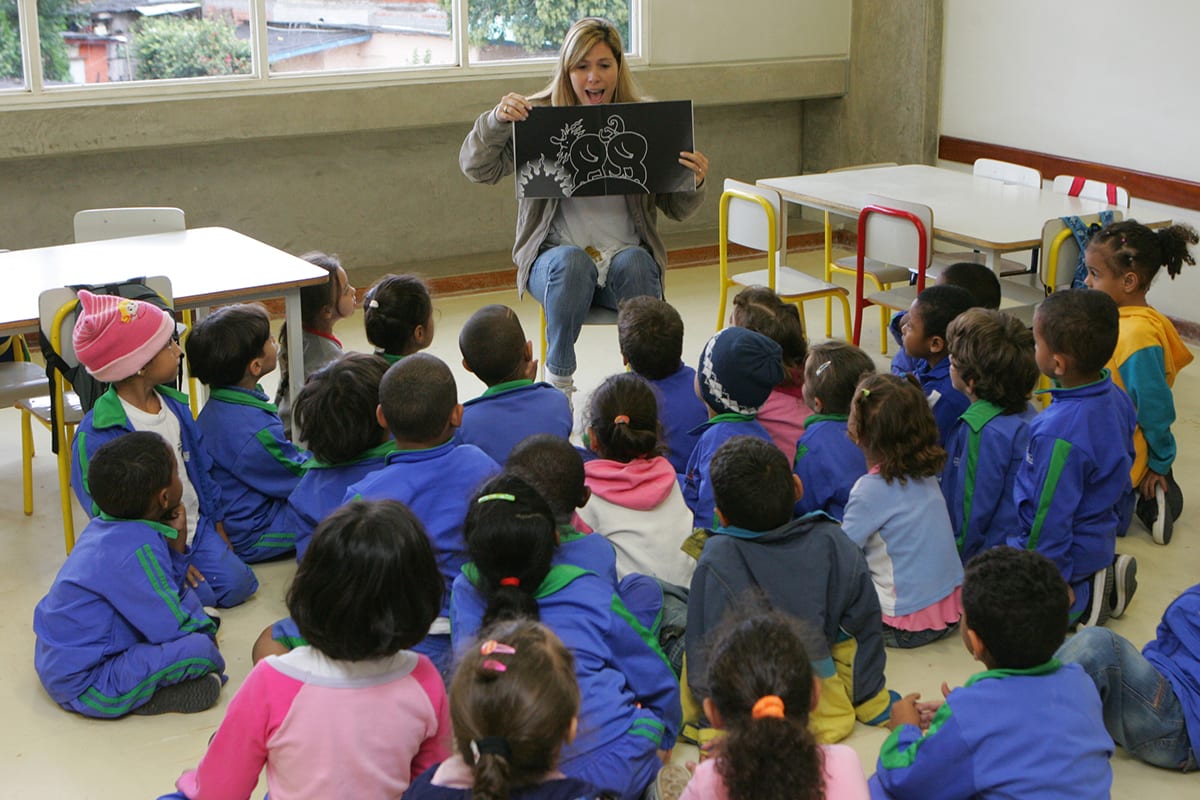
[
  {"x": 866, "y": 392},
  {"x": 498, "y": 496}
]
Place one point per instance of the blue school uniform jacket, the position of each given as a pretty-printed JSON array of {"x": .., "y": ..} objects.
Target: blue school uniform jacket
[
  {"x": 255, "y": 466},
  {"x": 1074, "y": 475},
  {"x": 1037, "y": 734},
  {"x": 589, "y": 551},
  {"x": 828, "y": 464},
  {"x": 985, "y": 451},
  {"x": 507, "y": 413},
  {"x": 697, "y": 488},
  {"x": 626, "y": 686},
  {"x": 323, "y": 488},
  {"x": 679, "y": 413},
  {"x": 950, "y": 404},
  {"x": 437, "y": 485},
  {"x": 117, "y": 591},
  {"x": 1175, "y": 652}
]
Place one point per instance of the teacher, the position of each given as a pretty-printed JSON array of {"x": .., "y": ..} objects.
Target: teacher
[{"x": 580, "y": 251}]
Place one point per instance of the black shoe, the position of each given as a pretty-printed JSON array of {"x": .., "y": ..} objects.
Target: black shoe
[
  {"x": 188, "y": 697},
  {"x": 1097, "y": 611},
  {"x": 1124, "y": 584}
]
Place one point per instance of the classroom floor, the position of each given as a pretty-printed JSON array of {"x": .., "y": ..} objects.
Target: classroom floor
[{"x": 49, "y": 752}]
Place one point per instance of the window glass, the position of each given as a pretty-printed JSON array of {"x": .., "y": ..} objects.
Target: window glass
[{"x": 503, "y": 30}]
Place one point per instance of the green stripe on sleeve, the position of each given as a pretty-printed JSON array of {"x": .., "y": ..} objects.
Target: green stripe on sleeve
[
  {"x": 1058, "y": 460},
  {"x": 271, "y": 445},
  {"x": 649, "y": 638},
  {"x": 892, "y": 757},
  {"x": 973, "y": 440}
]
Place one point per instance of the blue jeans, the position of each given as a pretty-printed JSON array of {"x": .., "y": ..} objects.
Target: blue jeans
[
  {"x": 1141, "y": 711},
  {"x": 563, "y": 279}
]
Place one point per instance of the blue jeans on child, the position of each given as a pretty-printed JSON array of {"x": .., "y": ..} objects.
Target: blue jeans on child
[
  {"x": 563, "y": 279},
  {"x": 1141, "y": 711}
]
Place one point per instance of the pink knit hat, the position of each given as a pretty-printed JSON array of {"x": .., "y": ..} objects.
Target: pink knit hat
[{"x": 114, "y": 337}]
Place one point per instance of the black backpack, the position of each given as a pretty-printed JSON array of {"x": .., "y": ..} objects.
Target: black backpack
[{"x": 88, "y": 388}]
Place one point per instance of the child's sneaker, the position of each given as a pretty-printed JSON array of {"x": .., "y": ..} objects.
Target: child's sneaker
[
  {"x": 565, "y": 384},
  {"x": 671, "y": 781},
  {"x": 1124, "y": 584},
  {"x": 1097, "y": 611},
  {"x": 188, "y": 697},
  {"x": 1159, "y": 514}
]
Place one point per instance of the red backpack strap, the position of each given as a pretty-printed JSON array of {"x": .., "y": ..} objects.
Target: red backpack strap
[
  {"x": 1076, "y": 186},
  {"x": 1112, "y": 193}
]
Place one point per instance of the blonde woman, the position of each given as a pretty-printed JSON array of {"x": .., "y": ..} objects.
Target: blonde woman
[{"x": 581, "y": 251}]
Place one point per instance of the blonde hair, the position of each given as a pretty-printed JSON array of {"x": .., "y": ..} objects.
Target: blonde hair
[{"x": 581, "y": 38}]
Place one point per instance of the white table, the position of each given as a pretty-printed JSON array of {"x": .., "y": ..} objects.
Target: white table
[
  {"x": 982, "y": 214},
  {"x": 206, "y": 266}
]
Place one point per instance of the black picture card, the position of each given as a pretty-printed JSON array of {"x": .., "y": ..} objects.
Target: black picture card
[{"x": 592, "y": 151}]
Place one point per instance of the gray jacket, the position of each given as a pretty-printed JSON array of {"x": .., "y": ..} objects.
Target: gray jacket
[{"x": 486, "y": 156}]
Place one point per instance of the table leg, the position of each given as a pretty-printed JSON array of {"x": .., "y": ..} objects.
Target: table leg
[
  {"x": 295, "y": 343},
  {"x": 991, "y": 260}
]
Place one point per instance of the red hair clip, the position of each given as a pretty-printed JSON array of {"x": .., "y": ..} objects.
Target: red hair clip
[
  {"x": 492, "y": 646},
  {"x": 510, "y": 581}
]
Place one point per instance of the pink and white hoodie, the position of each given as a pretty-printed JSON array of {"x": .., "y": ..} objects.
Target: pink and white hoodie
[{"x": 640, "y": 509}]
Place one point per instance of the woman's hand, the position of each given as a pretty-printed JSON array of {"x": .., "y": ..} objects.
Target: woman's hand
[
  {"x": 697, "y": 162},
  {"x": 513, "y": 107}
]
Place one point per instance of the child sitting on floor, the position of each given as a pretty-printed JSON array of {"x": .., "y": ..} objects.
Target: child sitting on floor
[
  {"x": 826, "y": 461},
  {"x": 429, "y": 472},
  {"x": 925, "y": 340},
  {"x": 763, "y": 690},
  {"x": 118, "y": 632},
  {"x": 1073, "y": 490},
  {"x": 897, "y": 515},
  {"x": 806, "y": 568},
  {"x": 635, "y": 500},
  {"x": 495, "y": 349},
  {"x": 977, "y": 279},
  {"x": 760, "y": 309},
  {"x": 398, "y": 316},
  {"x": 132, "y": 345},
  {"x": 322, "y": 306},
  {"x": 738, "y": 371},
  {"x": 363, "y": 596},
  {"x": 650, "y": 334},
  {"x": 992, "y": 363},
  {"x": 1122, "y": 260},
  {"x": 977, "y": 743},
  {"x": 514, "y": 704},
  {"x": 253, "y": 462}
]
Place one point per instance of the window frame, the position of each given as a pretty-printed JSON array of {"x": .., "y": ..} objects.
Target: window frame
[{"x": 259, "y": 82}]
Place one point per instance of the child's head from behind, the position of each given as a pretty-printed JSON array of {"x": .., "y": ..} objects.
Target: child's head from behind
[
  {"x": 116, "y": 338},
  {"x": 1075, "y": 332},
  {"x": 514, "y": 702},
  {"x": 398, "y": 315},
  {"x": 135, "y": 476},
  {"x": 369, "y": 585},
  {"x": 831, "y": 374},
  {"x": 991, "y": 354},
  {"x": 738, "y": 370},
  {"x": 323, "y": 304},
  {"x": 335, "y": 412},
  {"x": 928, "y": 317},
  {"x": 1124, "y": 257},
  {"x": 1015, "y": 604},
  {"x": 494, "y": 346},
  {"x": 762, "y": 691},
  {"x": 623, "y": 419},
  {"x": 650, "y": 335},
  {"x": 554, "y": 468},
  {"x": 977, "y": 279},
  {"x": 757, "y": 308},
  {"x": 753, "y": 484},
  {"x": 230, "y": 344},
  {"x": 419, "y": 400},
  {"x": 511, "y": 536},
  {"x": 891, "y": 421}
]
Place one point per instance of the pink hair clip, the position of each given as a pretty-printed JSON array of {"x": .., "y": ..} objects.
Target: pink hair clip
[
  {"x": 494, "y": 666},
  {"x": 492, "y": 646}
]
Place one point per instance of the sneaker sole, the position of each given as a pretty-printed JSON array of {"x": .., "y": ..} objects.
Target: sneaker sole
[
  {"x": 1161, "y": 528},
  {"x": 1125, "y": 569},
  {"x": 189, "y": 697},
  {"x": 672, "y": 780},
  {"x": 1102, "y": 587}
]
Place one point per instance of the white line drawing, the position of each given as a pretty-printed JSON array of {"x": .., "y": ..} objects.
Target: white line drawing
[{"x": 584, "y": 157}]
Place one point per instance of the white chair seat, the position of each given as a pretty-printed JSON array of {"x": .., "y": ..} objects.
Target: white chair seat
[
  {"x": 40, "y": 406},
  {"x": 787, "y": 282},
  {"x": 21, "y": 380},
  {"x": 899, "y": 298},
  {"x": 1022, "y": 313},
  {"x": 1024, "y": 289},
  {"x": 943, "y": 260},
  {"x": 885, "y": 273}
]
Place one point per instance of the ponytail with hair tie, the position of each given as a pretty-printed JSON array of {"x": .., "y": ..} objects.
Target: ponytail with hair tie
[{"x": 770, "y": 705}]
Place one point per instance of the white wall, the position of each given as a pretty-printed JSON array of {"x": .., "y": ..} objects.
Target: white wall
[
  {"x": 1109, "y": 81},
  {"x": 706, "y": 31}
]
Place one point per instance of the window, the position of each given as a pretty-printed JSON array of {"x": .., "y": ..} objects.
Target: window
[{"x": 89, "y": 42}]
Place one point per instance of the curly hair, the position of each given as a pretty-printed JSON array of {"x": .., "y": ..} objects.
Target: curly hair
[
  {"x": 890, "y": 419},
  {"x": 994, "y": 350},
  {"x": 392, "y": 310},
  {"x": 1017, "y": 603},
  {"x": 771, "y": 757},
  {"x": 335, "y": 411},
  {"x": 759, "y": 309},
  {"x": 1129, "y": 246},
  {"x": 623, "y": 416},
  {"x": 832, "y": 372},
  {"x": 525, "y": 709}
]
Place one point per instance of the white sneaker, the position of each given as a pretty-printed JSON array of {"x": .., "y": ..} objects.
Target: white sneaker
[
  {"x": 565, "y": 384},
  {"x": 1124, "y": 583}
]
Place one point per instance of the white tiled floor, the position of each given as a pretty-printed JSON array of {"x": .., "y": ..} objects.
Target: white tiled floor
[{"x": 49, "y": 752}]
